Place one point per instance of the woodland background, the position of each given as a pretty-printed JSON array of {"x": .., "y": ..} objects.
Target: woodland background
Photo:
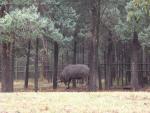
[{"x": 40, "y": 37}]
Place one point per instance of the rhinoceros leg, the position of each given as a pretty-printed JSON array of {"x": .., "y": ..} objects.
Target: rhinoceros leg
[
  {"x": 87, "y": 82},
  {"x": 69, "y": 83}
]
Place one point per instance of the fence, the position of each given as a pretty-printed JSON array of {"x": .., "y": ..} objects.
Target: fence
[{"x": 120, "y": 73}]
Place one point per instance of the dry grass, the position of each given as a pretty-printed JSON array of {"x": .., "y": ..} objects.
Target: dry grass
[
  {"x": 99, "y": 102},
  {"x": 61, "y": 101}
]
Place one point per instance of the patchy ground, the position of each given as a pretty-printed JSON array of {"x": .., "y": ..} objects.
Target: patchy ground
[
  {"x": 100, "y": 102},
  {"x": 44, "y": 86}
]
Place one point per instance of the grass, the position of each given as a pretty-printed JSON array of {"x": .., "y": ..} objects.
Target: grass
[
  {"x": 99, "y": 102},
  {"x": 68, "y": 101}
]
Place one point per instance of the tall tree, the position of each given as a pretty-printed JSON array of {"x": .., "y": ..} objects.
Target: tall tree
[
  {"x": 97, "y": 44},
  {"x": 36, "y": 74},
  {"x": 27, "y": 65},
  {"x": 92, "y": 49},
  {"x": 7, "y": 79},
  {"x": 56, "y": 52},
  {"x": 136, "y": 26},
  {"x": 21, "y": 23}
]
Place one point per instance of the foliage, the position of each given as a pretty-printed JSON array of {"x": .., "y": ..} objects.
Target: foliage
[
  {"x": 123, "y": 30},
  {"x": 137, "y": 19},
  {"x": 21, "y": 23},
  {"x": 26, "y": 23},
  {"x": 57, "y": 22},
  {"x": 65, "y": 19},
  {"x": 145, "y": 36}
]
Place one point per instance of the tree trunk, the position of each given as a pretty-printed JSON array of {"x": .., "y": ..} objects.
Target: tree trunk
[
  {"x": 0, "y": 60},
  {"x": 7, "y": 79},
  {"x": 12, "y": 60},
  {"x": 143, "y": 66},
  {"x": 105, "y": 69},
  {"x": 109, "y": 61},
  {"x": 92, "y": 53},
  {"x": 45, "y": 65},
  {"x": 122, "y": 66},
  {"x": 74, "y": 59},
  {"x": 92, "y": 62},
  {"x": 27, "y": 65},
  {"x": 67, "y": 61},
  {"x": 108, "y": 76},
  {"x": 62, "y": 61},
  {"x": 36, "y": 67},
  {"x": 83, "y": 52},
  {"x": 45, "y": 60},
  {"x": 97, "y": 44},
  {"x": 56, "y": 52},
  {"x": 134, "y": 61}
]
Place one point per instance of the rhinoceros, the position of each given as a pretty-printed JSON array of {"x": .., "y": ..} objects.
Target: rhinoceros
[{"x": 74, "y": 72}]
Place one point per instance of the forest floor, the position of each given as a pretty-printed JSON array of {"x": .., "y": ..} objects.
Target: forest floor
[
  {"x": 78, "y": 101},
  {"x": 44, "y": 86}
]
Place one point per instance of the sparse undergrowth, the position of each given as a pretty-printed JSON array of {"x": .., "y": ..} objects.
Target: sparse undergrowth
[{"x": 44, "y": 86}]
